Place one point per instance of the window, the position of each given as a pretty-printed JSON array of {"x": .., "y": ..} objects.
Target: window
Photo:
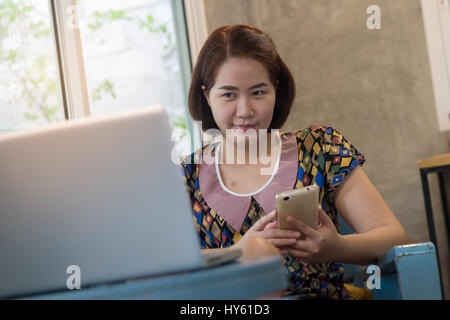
[
  {"x": 30, "y": 94},
  {"x": 81, "y": 58},
  {"x": 436, "y": 16}
]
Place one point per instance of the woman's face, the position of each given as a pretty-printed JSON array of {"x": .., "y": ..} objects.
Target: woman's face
[{"x": 243, "y": 96}]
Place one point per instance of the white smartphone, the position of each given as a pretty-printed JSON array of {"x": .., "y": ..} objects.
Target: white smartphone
[{"x": 301, "y": 203}]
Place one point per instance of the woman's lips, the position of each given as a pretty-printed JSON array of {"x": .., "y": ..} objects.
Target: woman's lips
[{"x": 244, "y": 128}]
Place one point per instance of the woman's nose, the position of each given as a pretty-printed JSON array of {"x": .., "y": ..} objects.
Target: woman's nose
[{"x": 244, "y": 108}]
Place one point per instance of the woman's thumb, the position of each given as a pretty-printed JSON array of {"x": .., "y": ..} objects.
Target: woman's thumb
[{"x": 324, "y": 219}]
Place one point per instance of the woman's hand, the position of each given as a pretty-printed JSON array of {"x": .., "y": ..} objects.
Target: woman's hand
[
  {"x": 315, "y": 246},
  {"x": 267, "y": 229}
]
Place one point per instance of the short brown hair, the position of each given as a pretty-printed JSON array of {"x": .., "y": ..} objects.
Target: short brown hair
[{"x": 243, "y": 41}]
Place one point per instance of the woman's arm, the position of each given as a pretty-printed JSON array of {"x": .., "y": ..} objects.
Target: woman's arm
[{"x": 363, "y": 208}]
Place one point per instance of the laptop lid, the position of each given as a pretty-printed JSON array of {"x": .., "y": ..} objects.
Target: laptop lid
[{"x": 99, "y": 193}]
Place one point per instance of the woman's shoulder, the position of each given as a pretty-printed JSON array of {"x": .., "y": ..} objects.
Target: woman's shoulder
[
  {"x": 316, "y": 137},
  {"x": 315, "y": 131},
  {"x": 195, "y": 158},
  {"x": 189, "y": 164}
]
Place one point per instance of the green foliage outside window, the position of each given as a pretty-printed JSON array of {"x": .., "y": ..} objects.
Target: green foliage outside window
[{"x": 37, "y": 81}]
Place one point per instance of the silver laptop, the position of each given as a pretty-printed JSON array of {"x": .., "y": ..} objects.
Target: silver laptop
[{"x": 101, "y": 194}]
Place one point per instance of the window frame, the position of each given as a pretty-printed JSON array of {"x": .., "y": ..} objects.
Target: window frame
[
  {"x": 70, "y": 58},
  {"x": 182, "y": 16}
]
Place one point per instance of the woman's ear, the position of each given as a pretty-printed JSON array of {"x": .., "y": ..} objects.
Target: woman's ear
[{"x": 206, "y": 94}]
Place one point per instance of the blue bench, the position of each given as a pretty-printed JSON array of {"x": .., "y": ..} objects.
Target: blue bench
[{"x": 408, "y": 272}]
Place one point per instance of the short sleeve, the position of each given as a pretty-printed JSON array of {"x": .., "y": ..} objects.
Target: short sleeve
[
  {"x": 187, "y": 174},
  {"x": 340, "y": 156}
]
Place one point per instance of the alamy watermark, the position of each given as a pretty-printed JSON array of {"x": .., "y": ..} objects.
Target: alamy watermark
[
  {"x": 74, "y": 280},
  {"x": 374, "y": 279},
  {"x": 72, "y": 19},
  {"x": 374, "y": 20}
]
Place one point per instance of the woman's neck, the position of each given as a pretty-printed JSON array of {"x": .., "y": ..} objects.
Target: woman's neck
[{"x": 257, "y": 152}]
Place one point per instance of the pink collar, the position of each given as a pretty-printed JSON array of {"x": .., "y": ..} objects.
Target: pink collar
[{"x": 234, "y": 209}]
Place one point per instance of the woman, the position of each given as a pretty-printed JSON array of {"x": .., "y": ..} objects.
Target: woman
[{"x": 240, "y": 84}]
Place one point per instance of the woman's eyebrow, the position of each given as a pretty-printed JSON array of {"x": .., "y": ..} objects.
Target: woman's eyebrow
[{"x": 259, "y": 85}]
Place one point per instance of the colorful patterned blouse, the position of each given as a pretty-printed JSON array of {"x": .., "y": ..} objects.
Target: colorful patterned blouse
[{"x": 317, "y": 154}]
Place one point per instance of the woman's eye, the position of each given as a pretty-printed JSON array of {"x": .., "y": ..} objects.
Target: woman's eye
[
  {"x": 228, "y": 95},
  {"x": 260, "y": 92}
]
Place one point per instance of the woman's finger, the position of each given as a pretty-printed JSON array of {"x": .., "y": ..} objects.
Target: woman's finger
[
  {"x": 282, "y": 243},
  {"x": 302, "y": 245},
  {"x": 263, "y": 221},
  {"x": 271, "y": 225},
  {"x": 279, "y": 233},
  {"x": 301, "y": 226}
]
